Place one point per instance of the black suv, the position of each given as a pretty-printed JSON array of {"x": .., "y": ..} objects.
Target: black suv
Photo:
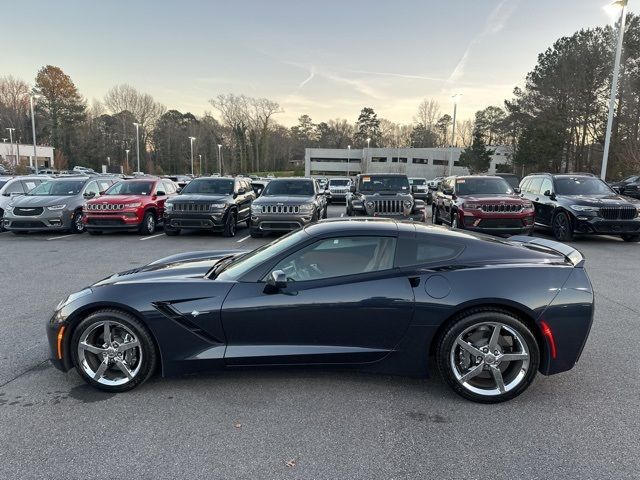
[
  {"x": 580, "y": 203},
  {"x": 384, "y": 195},
  {"x": 218, "y": 204},
  {"x": 629, "y": 186}
]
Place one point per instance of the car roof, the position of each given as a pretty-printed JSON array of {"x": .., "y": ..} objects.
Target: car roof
[
  {"x": 292, "y": 178},
  {"x": 382, "y": 174}
]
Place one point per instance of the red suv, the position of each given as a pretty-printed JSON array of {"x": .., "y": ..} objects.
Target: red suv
[
  {"x": 484, "y": 204},
  {"x": 136, "y": 204}
]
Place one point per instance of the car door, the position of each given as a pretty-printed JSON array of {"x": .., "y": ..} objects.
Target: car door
[
  {"x": 533, "y": 194},
  {"x": 244, "y": 198},
  {"x": 448, "y": 190},
  {"x": 160, "y": 195},
  {"x": 545, "y": 205},
  {"x": 344, "y": 302}
]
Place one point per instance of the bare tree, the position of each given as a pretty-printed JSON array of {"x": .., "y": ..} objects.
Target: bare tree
[
  {"x": 14, "y": 103},
  {"x": 464, "y": 133},
  {"x": 259, "y": 116},
  {"x": 428, "y": 113}
]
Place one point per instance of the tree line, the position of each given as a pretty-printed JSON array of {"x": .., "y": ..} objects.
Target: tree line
[{"x": 555, "y": 122}]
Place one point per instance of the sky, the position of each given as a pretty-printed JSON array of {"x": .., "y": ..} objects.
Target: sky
[{"x": 325, "y": 58}]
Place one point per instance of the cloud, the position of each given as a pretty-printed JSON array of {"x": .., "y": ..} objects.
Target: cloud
[{"x": 494, "y": 23}]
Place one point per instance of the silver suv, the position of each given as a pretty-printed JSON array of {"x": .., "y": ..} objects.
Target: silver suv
[
  {"x": 55, "y": 205},
  {"x": 337, "y": 189}
]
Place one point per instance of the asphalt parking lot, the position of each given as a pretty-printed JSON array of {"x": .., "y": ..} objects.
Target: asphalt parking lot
[{"x": 311, "y": 424}]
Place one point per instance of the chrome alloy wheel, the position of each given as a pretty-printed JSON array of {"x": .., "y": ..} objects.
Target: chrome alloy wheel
[
  {"x": 151, "y": 224},
  {"x": 489, "y": 358},
  {"x": 110, "y": 353}
]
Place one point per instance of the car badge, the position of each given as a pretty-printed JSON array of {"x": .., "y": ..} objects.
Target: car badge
[
  {"x": 195, "y": 313},
  {"x": 280, "y": 204}
]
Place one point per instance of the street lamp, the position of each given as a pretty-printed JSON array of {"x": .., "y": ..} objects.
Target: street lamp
[
  {"x": 220, "y": 158},
  {"x": 192, "y": 139},
  {"x": 127, "y": 159},
  {"x": 622, "y": 5},
  {"x": 455, "y": 99},
  {"x": 33, "y": 131},
  {"x": 348, "y": 158},
  {"x": 200, "y": 156},
  {"x": 137, "y": 125},
  {"x": 11, "y": 130}
]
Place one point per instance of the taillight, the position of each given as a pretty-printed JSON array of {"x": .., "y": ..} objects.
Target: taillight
[{"x": 548, "y": 334}]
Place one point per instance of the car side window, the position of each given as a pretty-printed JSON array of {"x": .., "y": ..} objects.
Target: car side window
[
  {"x": 338, "y": 257},
  {"x": 104, "y": 185},
  {"x": 16, "y": 187},
  {"x": 524, "y": 186},
  {"x": 546, "y": 185},
  {"x": 534, "y": 186},
  {"x": 169, "y": 188},
  {"x": 92, "y": 187},
  {"x": 421, "y": 251}
]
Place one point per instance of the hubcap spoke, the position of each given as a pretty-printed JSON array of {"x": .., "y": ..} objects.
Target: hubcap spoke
[
  {"x": 101, "y": 369},
  {"x": 91, "y": 348},
  {"x": 495, "y": 336},
  {"x": 472, "y": 373},
  {"x": 127, "y": 346},
  {"x": 512, "y": 357},
  {"x": 124, "y": 368},
  {"x": 107, "y": 333},
  {"x": 497, "y": 376},
  {"x": 470, "y": 348}
]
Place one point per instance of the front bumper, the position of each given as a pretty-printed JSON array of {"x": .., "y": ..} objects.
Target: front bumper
[
  {"x": 416, "y": 216},
  {"x": 600, "y": 226},
  {"x": 62, "y": 363},
  {"x": 209, "y": 221},
  {"x": 127, "y": 220},
  {"x": 279, "y": 222},
  {"x": 497, "y": 224},
  {"x": 47, "y": 221}
]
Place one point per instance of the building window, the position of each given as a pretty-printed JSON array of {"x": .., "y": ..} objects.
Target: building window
[
  {"x": 337, "y": 160},
  {"x": 422, "y": 161},
  {"x": 354, "y": 160},
  {"x": 399, "y": 160},
  {"x": 440, "y": 162},
  {"x": 379, "y": 159}
]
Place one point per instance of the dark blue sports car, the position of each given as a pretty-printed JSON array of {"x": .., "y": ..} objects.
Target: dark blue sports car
[{"x": 372, "y": 294}]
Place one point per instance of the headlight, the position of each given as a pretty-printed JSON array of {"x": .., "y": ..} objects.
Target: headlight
[
  {"x": 57, "y": 207},
  {"x": 584, "y": 208},
  {"x": 132, "y": 205},
  {"x": 8, "y": 208},
  {"x": 528, "y": 206},
  {"x": 216, "y": 206},
  {"x": 306, "y": 208},
  {"x": 370, "y": 204},
  {"x": 168, "y": 207},
  {"x": 408, "y": 204},
  {"x": 73, "y": 297},
  {"x": 256, "y": 208},
  {"x": 471, "y": 206}
]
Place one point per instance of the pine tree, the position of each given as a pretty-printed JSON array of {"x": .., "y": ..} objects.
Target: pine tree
[{"x": 476, "y": 157}]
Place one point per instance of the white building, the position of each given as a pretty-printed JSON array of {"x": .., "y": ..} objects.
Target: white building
[
  {"x": 415, "y": 162},
  {"x": 10, "y": 152}
]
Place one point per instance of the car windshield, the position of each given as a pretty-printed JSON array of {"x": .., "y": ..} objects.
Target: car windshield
[
  {"x": 130, "y": 188},
  {"x": 581, "y": 186},
  {"x": 381, "y": 183},
  {"x": 209, "y": 186},
  {"x": 3, "y": 183},
  {"x": 303, "y": 188},
  {"x": 58, "y": 188},
  {"x": 417, "y": 181},
  {"x": 248, "y": 261},
  {"x": 339, "y": 183},
  {"x": 482, "y": 186},
  {"x": 632, "y": 179}
]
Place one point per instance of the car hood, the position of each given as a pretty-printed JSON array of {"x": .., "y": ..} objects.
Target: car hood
[
  {"x": 610, "y": 200},
  {"x": 385, "y": 195},
  {"x": 176, "y": 267},
  {"x": 42, "y": 200},
  {"x": 493, "y": 198},
  {"x": 283, "y": 200},
  {"x": 119, "y": 199},
  {"x": 186, "y": 198}
]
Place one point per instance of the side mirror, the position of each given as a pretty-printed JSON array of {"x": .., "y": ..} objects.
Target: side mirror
[
  {"x": 447, "y": 191},
  {"x": 258, "y": 192},
  {"x": 517, "y": 190},
  {"x": 548, "y": 193},
  {"x": 101, "y": 192},
  {"x": 6, "y": 194},
  {"x": 160, "y": 193},
  {"x": 89, "y": 194},
  {"x": 178, "y": 190},
  {"x": 277, "y": 281}
]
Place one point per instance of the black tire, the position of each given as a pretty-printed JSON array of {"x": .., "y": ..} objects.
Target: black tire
[
  {"x": 2, "y": 229},
  {"x": 149, "y": 354},
  {"x": 324, "y": 212},
  {"x": 630, "y": 237},
  {"x": 255, "y": 233},
  {"x": 148, "y": 225},
  {"x": 230, "y": 224},
  {"x": 479, "y": 316},
  {"x": 171, "y": 232},
  {"x": 248, "y": 222},
  {"x": 95, "y": 232},
  {"x": 562, "y": 227},
  {"x": 349, "y": 211},
  {"x": 314, "y": 217},
  {"x": 435, "y": 217},
  {"x": 77, "y": 226},
  {"x": 455, "y": 221}
]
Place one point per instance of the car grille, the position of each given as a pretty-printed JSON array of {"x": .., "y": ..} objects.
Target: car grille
[
  {"x": 104, "y": 222},
  {"x": 104, "y": 206},
  {"x": 500, "y": 223},
  {"x": 618, "y": 213},
  {"x": 283, "y": 209},
  {"x": 192, "y": 207},
  {"x": 502, "y": 208},
  {"x": 26, "y": 224},
  {"x": 28, "y": 212},
  {"x": 389, "y": 206},
  {"x": 338, "y": 190}
]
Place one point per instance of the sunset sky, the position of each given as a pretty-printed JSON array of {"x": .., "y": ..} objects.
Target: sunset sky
[{"x": 325, "y": 58}]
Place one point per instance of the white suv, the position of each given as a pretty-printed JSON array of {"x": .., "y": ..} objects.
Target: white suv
[{"x": 14, "y": 186}]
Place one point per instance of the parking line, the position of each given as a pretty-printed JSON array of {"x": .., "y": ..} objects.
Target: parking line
[
  {"x": 243, "y": 239},
  {"x": 152, "y": 236},
  {"x": 62, "y": 236}
]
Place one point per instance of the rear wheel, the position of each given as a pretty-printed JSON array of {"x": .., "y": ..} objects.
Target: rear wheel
[
  {"x": 488, "y": 356},
  {"x": 562, "y": 227},
  {"x": 148, "y": 225},
  {"x": 630, "y": 237},
  {"x": 230, "y": 225}
]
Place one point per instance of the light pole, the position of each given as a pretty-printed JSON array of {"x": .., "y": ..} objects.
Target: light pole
[
  {"x": 348, "y": 158},
  {"x": 220, "y": 158},
  {"x": 11, "y": 130},
  {"x": 137, "y": 125},
  {"x": 127, "y": 159},
  {"x": 200, "y": 156},
  {"x": 622, "y": 4},
  {"x": 455, "y": 99},
  {"x": 33, "y": 131},
  {"x": 192, "y": 139}
]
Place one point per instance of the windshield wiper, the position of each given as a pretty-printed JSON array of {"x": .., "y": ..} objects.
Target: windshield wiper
[{"x": 219, "y": 267}]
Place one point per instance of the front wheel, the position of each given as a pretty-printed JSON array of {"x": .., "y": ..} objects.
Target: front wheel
[
  {"x": 562, "y": 227},
  {"x": 148, "y": 225},
  {"x": 113, "y": 351},
  {"x": 454, "y": 221},
  {"x": 230, "y": 225},
  {"x": 630, "y": 237},
  {"x": 77, "y": 225},
  {"x": 435, "y": 216},
  {"x": 488, "y": 355}
]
